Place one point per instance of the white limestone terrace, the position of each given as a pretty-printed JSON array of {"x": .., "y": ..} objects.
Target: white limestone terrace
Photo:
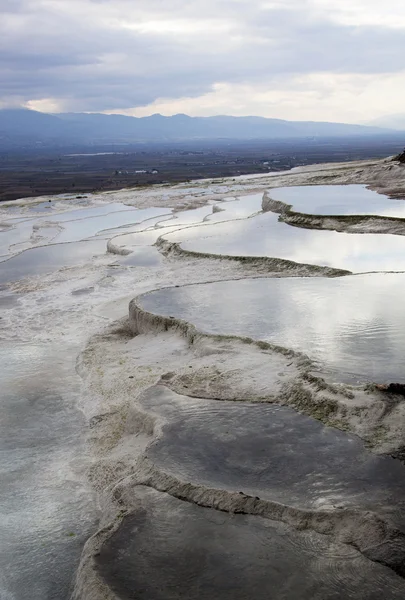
[
  {"x": 265, "y": 236},
  {"x": 77, "y": 431}
]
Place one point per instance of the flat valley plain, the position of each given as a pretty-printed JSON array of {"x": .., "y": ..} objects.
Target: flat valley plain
[{"x": 37, "y": 170}]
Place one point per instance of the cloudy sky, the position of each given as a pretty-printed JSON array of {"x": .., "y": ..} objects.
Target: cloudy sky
[{"x": 340, "y": 60}]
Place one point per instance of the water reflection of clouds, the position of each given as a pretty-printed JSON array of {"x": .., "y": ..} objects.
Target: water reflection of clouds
[
  {"x": 245, "y": 206},
  {"x": 147, "y": 235},
  {"x": 264, "y": 235},
  {"x": 80, "y": 229},
  {"x": 74, "y": 225},
  {"x": 353, "y": 325},
  {"x": 338, "y": 200},
  {"x": 227, "y": 209},
  {"x": 45, "y": 259}
]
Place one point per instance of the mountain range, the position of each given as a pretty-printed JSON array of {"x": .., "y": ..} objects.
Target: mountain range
[{"x": 22, "y": 125}]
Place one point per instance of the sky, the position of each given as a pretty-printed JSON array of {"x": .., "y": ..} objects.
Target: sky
[{"x": 336, "y": 60}]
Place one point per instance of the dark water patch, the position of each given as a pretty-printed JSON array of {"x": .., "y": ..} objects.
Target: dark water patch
[
  {"x": 82, "y": 291},
  {"x": 274, "y": 453},
  {"x": 42, "y": 207},
  {"x": 338, "y": 200},
  {"x": 169, "y": 549},
  {"x": 353, "y": 326}
]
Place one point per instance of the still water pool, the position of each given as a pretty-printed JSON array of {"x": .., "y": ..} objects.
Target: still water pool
[
  {"x": 353, "y": 327},
  {"x": 339, "y": 200},
  {"x": 264, "y": 235}
]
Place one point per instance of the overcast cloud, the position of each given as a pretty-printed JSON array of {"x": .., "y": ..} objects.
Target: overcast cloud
[{"x": 337, "y": 60}]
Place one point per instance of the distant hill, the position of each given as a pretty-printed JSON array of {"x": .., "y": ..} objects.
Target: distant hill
[
  {"x": 21, "y": 125},
  {"x": 31, "y": 123},
  {"x": 390, "y": 121}
]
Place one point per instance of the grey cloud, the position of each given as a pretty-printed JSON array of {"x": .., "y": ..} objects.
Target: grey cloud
[
  {"x": 12, "y": 6},
  {"x": 91, "y": 64}
]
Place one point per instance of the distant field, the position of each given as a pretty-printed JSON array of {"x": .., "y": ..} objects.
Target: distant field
[{"x": 80, "y": 169}]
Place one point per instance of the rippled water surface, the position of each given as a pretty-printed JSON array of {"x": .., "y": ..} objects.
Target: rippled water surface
[
  {"x": 46, "y": 508},
  {"x": 195, "y": 553},
  {"x": 46, "y": 513},
  {"x": 258, "y": 448},
  {"x": 264, "y": 235},
  {"x": 353, "y": 326},
  {"x": 339, "y": 200}
]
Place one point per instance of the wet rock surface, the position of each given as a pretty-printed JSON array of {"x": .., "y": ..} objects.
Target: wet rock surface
[{"x": 401, "y": 157}]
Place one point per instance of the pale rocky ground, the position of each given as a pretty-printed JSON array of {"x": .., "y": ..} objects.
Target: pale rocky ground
[{"x": 126, "y": 354}]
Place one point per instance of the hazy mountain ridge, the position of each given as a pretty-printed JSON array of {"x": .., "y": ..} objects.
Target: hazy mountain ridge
[
  {"x": 391, "y": 121},
  {"x": 84, "y": 127}
]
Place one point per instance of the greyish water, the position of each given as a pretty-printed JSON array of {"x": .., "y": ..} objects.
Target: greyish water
[
  {"x": 71, "y": 225},
  {"x": 45, "y": 259},
  {"x": 196, "y": 553},
  {"x": 353, "y": 326},
  {"x": 338, "y": 200},
  {"x": 46, "y": 513},
  {"x": 47, "y": 510},
  {"x": 229, "y": 209},
  {"x": 264, "y": 235},
  {"x": 258, "y": 448}
]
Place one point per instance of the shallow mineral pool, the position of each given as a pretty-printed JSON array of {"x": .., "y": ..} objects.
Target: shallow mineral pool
[
  {"x": 237, "y": 208},
  {"x": 167, "y": 548},
  {"x": 264, "y": 235},
  {"x": 72, "y": 225},
  {"x": 339, "y": 200},
  {"x": 153, "y": 228},
  {"x": 80, "y": 227},
  {"x": 228, "y": 209},
  {"x": 258, "y": 448},
  {"x": 142, "y": 257},
  {"x": 353, "y": 327},
  {"x": 45, "y": 259}
]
